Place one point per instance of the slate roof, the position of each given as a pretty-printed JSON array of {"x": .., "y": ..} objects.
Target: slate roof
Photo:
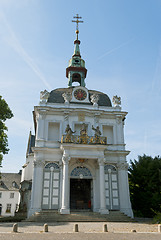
[
  {"x": 56, "y": 96},
  {"x": 31, "y": 143},
  {"x": 7, "y": 181}
]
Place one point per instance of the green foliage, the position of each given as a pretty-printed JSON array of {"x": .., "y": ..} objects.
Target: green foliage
[
  {"x": 145, "y": 185},
  {"x": 5, "y": 113},
  {"x": 157, "y": 218}
]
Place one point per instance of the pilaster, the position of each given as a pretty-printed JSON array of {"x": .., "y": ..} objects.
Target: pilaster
[
  {"x": 65, "y": 186},
  {"x": 103, "y": 209},
  {"x": 36, "y": 193},
  {"x": 125, "y": 204}
]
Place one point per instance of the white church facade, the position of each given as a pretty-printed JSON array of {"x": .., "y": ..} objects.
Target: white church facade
[{"x": 77, "y": 158}]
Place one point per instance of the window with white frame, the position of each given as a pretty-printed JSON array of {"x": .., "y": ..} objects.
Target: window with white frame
[
  {"x": 11, "y": 195},
  {"x": 8, "y": 208}
]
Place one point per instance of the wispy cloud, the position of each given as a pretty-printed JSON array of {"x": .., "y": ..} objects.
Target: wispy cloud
[
  {"x": 115, "y": 49},
  {"x": 16, "y": 45}
]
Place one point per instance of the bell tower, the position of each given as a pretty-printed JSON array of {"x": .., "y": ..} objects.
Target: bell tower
[{"x": 76, "y": 71}]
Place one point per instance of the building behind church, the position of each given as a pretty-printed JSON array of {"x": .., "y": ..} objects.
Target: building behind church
[
  {"x": 9, "y": 193},
  {"x": 76, "y": 160}
]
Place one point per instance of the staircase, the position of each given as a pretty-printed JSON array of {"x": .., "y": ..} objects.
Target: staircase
[{"x": 82, "y": 216}]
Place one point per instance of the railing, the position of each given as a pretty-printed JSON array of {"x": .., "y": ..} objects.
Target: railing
[{"x": 83, "y": 139}]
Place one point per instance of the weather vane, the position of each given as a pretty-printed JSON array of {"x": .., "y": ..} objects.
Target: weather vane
[{"x": 77, "y": 22}]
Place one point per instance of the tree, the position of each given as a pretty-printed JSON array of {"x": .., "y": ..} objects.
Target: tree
[
  {"x": 5, "y": 113},
  {"x": 145, "y": 185}
]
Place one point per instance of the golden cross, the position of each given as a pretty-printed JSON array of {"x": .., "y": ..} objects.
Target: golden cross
[{"x": 77, "y": 21}]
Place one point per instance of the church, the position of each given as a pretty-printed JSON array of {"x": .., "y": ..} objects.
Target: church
[{"x": 77, "y": 158}]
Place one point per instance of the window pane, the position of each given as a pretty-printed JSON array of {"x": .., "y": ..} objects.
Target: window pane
[{"x": 11, "y": 195}]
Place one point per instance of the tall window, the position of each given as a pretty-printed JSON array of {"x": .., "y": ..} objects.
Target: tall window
[
  {"x": 8, "y": 209},
  {"x": 11, "y": 195},
  {"x": 0, "y": 194}
]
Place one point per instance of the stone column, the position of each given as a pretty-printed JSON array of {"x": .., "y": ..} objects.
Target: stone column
[
  {"x": 103, "y": 209},
  {"x": 36, "y": 193},
  {"x": 65, "y": 187},
  {"x": 125, "y": 204}
]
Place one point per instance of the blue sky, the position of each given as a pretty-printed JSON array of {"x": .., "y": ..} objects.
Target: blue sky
[{"x": 121, "y": 44}]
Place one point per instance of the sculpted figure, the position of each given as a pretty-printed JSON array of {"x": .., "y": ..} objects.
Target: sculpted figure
[
  {"x": 116, "y": 101},
  {"x": 83, "y": 134},
  {"x": 83, "y": 130},
  {"x": 94, "y": 99},
  {"x": 44, "y": 95},
  {"x": 97, "y": 131},
  {"x": 69, "y": 133},
  {"x": 97, "y": 134},
  {"x": 67, "y": 97}
]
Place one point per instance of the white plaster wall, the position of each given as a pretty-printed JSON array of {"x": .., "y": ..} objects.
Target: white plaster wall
[
  {"x": 28, "y": 169},
  {"x": 5, "y": 199}
]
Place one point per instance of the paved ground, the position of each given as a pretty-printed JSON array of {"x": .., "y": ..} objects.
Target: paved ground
[{"x": 90, "y": 231}]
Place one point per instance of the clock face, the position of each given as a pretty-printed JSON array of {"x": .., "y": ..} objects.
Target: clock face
[{"x": 80, "y": 94}]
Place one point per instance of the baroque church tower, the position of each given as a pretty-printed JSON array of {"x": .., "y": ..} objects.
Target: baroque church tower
[{"x": 77, "y": 159}]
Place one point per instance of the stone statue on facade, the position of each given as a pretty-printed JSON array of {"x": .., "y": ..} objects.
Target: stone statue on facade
[
  {"x": 67, "y": 97},
  {"x": 94, "y": 99},
  {"x": 44, "y": 95},
  {"x": 83, "y": 134},
  {"x": 116, "y": 101},
  {"x": 69, "y": 132},
  {"x": 97, "y": 134}
]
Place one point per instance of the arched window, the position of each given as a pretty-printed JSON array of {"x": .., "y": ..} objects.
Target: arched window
[
  {"x": 111, "y": 167},
  {"x": 54, "y": 165},
  {"x": 111, "y": 187},
  {"x": 76, "y": 77},
  {"x": 51, "y": 186},
  {"x": 81, "y": 171}
]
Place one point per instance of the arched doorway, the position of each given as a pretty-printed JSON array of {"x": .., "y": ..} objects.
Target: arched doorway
[{"x": 81, "y": 189}]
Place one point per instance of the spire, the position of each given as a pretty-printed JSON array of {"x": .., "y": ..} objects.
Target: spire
[
  {"x": 77, "y": 42},
  {"x": 76, "y": 71}
]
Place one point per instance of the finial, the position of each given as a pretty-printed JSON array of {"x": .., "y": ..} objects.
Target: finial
[{"x": 77, "y": 21}]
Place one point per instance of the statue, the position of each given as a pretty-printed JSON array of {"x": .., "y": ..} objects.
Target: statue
[
  {"x": 94, "y": 99},
  {"x": 67, "y": 97},
  {"x": 44, "y": 95},
  {"x": 69, "y": 133},
  {"x": 97, "y": 134},
  {"x": 83, "y": 134},
  {"x": 116, "y": 101}
]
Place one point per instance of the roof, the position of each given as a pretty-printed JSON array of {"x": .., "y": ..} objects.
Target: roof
[
  {"x": 56, "y": 96},
  {"x": 10, "y": 181},
  {"x": 31, "y": 143}
]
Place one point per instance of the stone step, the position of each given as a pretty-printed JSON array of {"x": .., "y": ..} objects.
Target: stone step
[{"x": 54, "y": 216}]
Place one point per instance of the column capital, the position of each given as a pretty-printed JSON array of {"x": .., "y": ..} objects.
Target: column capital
[
  {"x": 122, "y": 166},
  {"x": 65, "y": 159},
  {"x": 118, "y": 119},
  {"x": 101, "y": 161},
  {"x": 39, "y": 163}
]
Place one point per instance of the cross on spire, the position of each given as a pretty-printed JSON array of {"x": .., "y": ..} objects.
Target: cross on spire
[{"x": 77, "y": 22}]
